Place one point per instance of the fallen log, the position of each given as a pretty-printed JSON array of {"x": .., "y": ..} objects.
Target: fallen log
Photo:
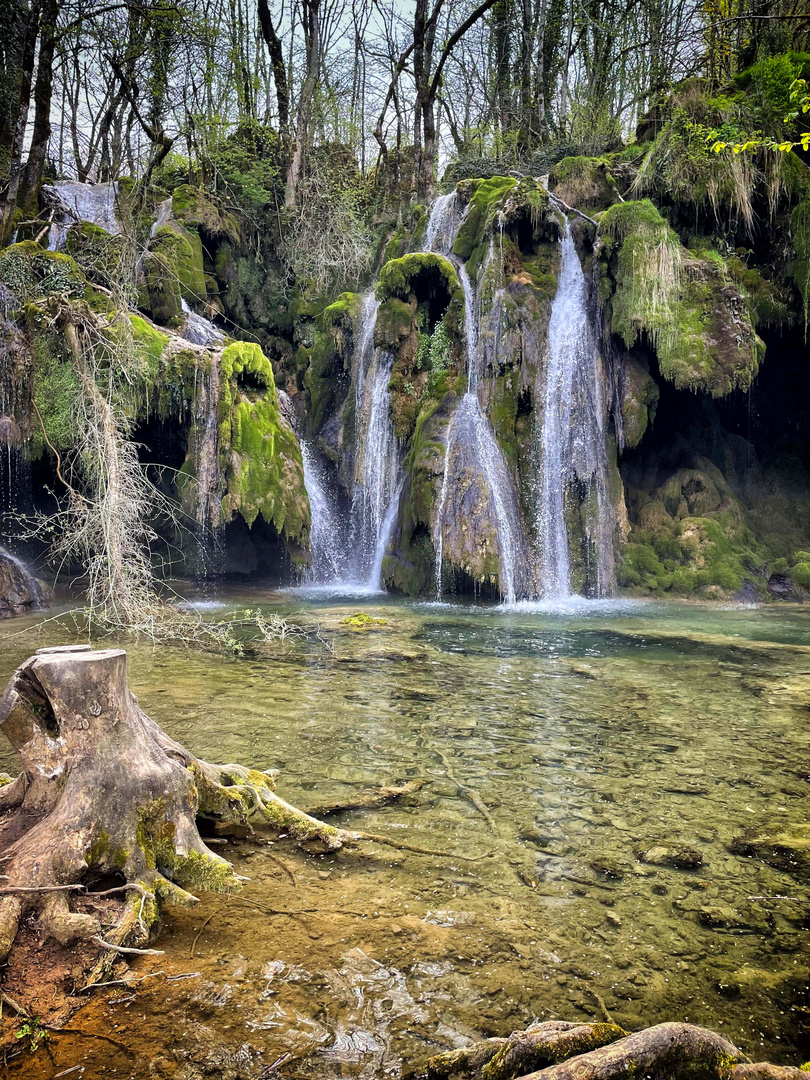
[{"x": 557, "y": 1050}]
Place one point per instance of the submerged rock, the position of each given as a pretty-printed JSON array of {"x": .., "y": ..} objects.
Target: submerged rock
[{"x": 682, "y": 858}]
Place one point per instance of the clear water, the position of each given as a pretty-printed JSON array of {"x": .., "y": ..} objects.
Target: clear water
[{"x": 589, "y": 730}]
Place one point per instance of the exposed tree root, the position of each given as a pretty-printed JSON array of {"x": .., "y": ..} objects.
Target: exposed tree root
[
  {"x": 104, "y": 791},
  {"x": 368, "y": 798},
  {"x": 563, "y": 1051}
]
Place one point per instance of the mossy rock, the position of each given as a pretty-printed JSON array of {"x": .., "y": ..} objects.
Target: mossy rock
[
  {"x": 361, "y": 620},
  {"x": 419, "y": 274},
  {"x": 260, "y": 455},
  {"x": 696, "y": 318},
  {"x": 484, "y": 199},
  {"x": 583, "y": 182},
  {"x": 199, "y": 210},
  {"x": 640, "y": 395},
  {"x": 99, "y": 254},
  {"x": 181, "y": 251},
  {"x": 31, "y": 273},
  {"x": 395, "y": 321}
]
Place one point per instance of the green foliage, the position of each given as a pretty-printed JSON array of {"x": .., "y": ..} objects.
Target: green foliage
[
  {"x": 250, "y": 162},
  {"x": 33, "y": 1030},
  {"x": 56, "y": 392},
  {"x": 438, "y": 359}
]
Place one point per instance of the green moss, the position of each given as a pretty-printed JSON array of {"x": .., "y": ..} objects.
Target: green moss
[
  {"x": 56, "y": 393},
  {"x": 583, "y": 182},
  {"x": 247, "y": 358},
  {"x": 99, "y": 848},
  {"x": 394, "y": 322},
  {"x": 800, "y": 575},
  {"x": 181, "y": 252},
  {"x": 485, "y": 198},
  {"x": 30, "y": 272},
  {"x": 399, "y": 276},
  {"x": 202, "y": 212},
  {"x": 148, "y": 338},
  {"x": 361, "y": 620},
  {"x": 344, "y": 313},
  {"x": 260, "y": 456},
  {"x": 687, "y": 305},
  {"x": 101, "y": 256}
]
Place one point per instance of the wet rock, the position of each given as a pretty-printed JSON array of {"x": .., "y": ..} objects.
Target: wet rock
[
  {"x": 780, "y": 587},
  {"x": 782, "y": 851},
  {"x": 607, "y": 868},
  {"x": 748, "y": 593},
  {"x": 682, "y": 858},
  {"x": 20, "y": 591}
]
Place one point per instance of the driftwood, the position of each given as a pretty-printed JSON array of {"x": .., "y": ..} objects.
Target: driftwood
[
  {"x": 104, "y": 791},
  {"x": 563, "y": 1051}
]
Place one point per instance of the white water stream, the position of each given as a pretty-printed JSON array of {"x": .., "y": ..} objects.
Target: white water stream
[
  {"x": 571, "y": 434},
  {"x": 470, "y": 427}
]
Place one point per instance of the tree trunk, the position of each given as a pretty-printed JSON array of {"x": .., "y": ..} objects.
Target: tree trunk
[
  {"x": 104, "y": 791},
  {"x": 14, "y": 19},
  {"x": 312, "y": 17},
  {"x": 43, "y": 92},
  {"x": 9, "y": 203},
  {"x": 273, "y": 43}
]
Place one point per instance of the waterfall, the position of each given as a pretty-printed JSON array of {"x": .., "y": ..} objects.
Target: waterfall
[
  {"x": 74, "y": 202},
  {"x": 199, "y": 330},
  {"x": 469, "y": 431},
  {"x": 571, "y": 437},
  {"x": 326, "y": 533},
  {"x": 377, "y": 467},
  {"x": 204, "y": 449}
]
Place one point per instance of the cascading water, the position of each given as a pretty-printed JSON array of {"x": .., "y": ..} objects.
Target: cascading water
[
  {"x": 377, "y": 467},
  {"x": 326, "y": 534},
  {"x": 199, "y": 330},
  {"x": 74, "y": 202},
  {"x": 377, "y": 472},
  {"x": 204, "y": 448},
  {"x": 469, "y": 428},
  {"x": 571, "y": 436}
]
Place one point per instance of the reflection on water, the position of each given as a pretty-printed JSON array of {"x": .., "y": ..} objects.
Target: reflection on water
[{"x": 561, "y": 743}]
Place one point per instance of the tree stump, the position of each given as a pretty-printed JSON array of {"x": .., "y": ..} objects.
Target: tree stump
[{"x": 104, "y": 791}]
